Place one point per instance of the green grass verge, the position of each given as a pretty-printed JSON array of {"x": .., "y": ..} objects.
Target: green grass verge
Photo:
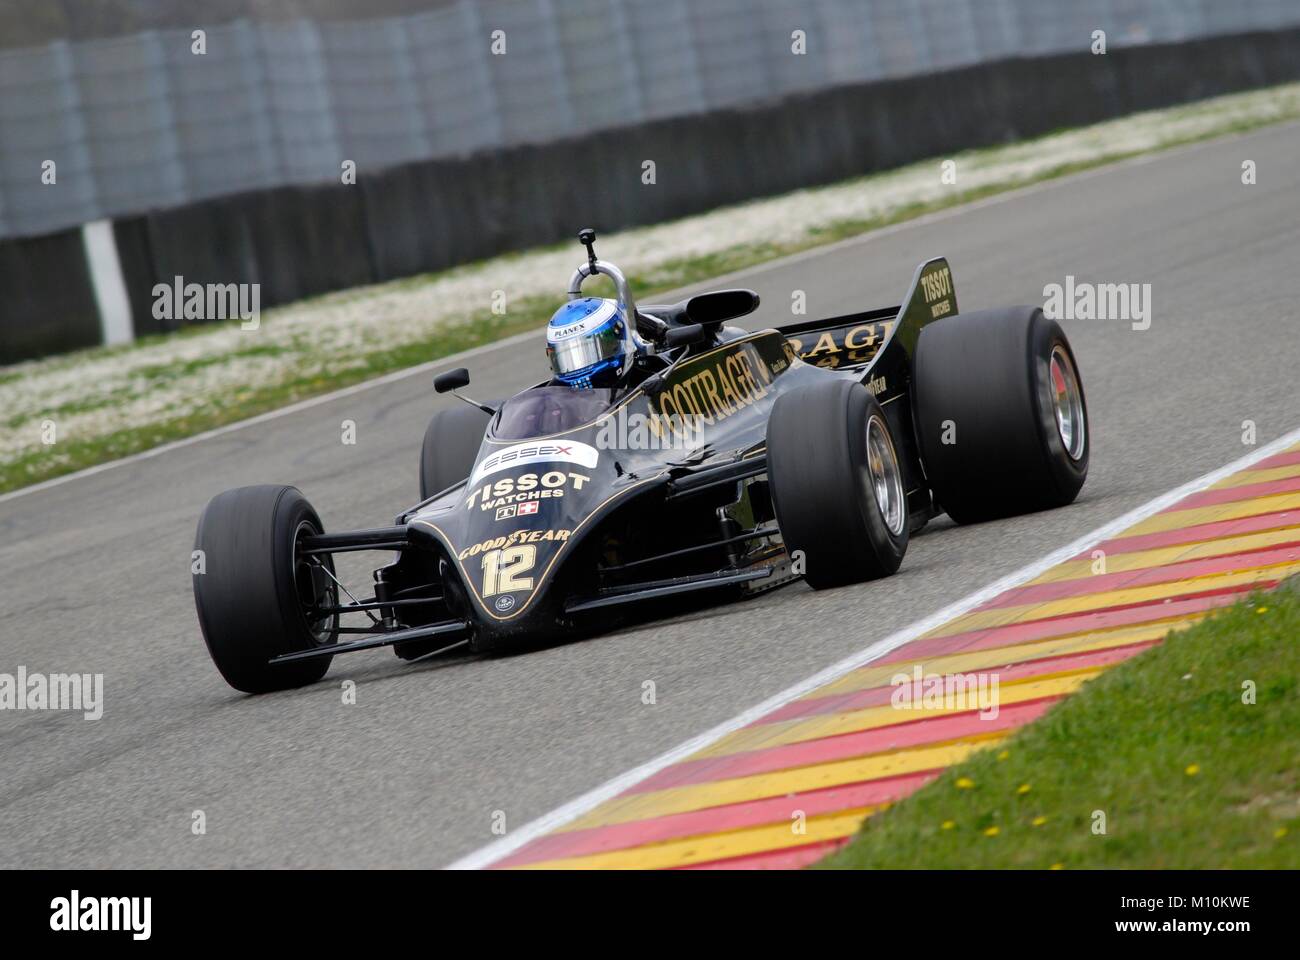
[
  {"x": 70, "y": 455},
  {"x": 1186, "y": 773}
]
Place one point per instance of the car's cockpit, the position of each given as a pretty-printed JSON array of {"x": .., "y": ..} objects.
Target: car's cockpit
[
  {"x": 665, "y": 333},
  {"x": 549, "y": 409}
]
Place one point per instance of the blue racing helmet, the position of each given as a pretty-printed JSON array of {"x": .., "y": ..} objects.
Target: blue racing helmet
[{"x": 589, "y": 343}]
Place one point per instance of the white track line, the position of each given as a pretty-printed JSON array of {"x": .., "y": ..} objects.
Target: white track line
[
  {"x": 809, "y": 254},
  {"x": 507, "y": 845}
]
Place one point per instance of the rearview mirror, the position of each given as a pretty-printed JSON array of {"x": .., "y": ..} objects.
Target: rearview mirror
[
  {"x": 719, "y": 306},
  {"x": 451, "y": 380}
]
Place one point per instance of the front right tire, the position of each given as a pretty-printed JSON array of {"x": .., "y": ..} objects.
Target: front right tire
[
  {"x": 254, "y": 587},
  {"x": 836, "y": 483}
]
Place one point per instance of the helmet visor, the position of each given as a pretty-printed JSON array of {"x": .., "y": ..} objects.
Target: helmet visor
[{"x": 576, "y": 353}]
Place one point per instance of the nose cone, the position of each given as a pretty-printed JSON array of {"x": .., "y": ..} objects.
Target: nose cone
[{"x": 512, "y": 523}]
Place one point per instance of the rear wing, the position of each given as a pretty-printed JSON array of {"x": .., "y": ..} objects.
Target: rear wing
[
  {"x": 930, "y": 297},
  {"x": 854, "y": 339},
  {"x": 878, "y": 349}
]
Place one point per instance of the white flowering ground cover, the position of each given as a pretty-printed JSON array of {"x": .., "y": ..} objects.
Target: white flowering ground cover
[{"x": 104, "y": 403}]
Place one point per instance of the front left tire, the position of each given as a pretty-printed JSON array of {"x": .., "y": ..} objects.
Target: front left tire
[{"x": 451, "y": 442}]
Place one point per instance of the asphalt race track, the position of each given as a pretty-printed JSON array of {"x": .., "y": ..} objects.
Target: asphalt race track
[{"x": 94, "y": 573}]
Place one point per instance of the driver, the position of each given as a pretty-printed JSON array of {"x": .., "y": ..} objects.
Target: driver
[{"x": 589, "y": 342}]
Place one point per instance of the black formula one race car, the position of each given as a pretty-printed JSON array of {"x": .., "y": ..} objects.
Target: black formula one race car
[{"x": 724, "y": 462}]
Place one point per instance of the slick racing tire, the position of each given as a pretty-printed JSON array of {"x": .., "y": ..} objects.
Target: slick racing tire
[
  {"x": 837, "y": 485},
  {"x": 1000, "y": 414},
  {"x": 252, "y": 585},
  {"x": 451, "y": 443}
]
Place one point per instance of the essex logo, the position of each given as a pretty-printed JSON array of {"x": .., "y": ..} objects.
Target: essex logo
[{"x": 566, "y": 451}]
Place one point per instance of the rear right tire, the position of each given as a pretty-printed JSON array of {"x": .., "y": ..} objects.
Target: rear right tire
[{"x": 1000, "y": 414}]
